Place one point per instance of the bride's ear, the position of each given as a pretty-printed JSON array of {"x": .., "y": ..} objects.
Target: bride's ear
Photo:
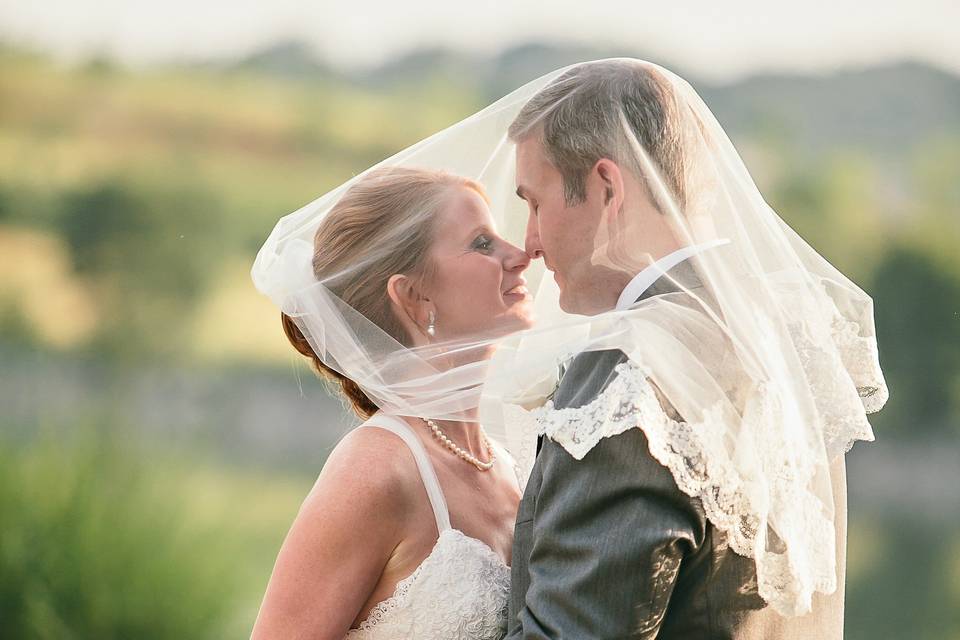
[{"x": 412, "y": 307}]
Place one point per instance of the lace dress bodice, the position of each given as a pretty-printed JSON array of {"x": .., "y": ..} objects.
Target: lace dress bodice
[{"x": 459, "y": 591}]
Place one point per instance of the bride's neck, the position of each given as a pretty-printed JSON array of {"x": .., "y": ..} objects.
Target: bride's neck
[{"x": 466, "y": 434}]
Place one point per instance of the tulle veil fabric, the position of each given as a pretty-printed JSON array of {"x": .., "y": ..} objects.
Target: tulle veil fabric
[{"x": 750, "y": 369}]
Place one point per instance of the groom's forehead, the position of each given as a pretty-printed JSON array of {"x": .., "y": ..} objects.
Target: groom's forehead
[{"x": 532, "y": 162}]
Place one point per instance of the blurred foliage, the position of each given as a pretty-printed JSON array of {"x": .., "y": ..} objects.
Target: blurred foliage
[
  {"x": 105, "y": 538},
  {"x": 918, "y": 324},
  {"x": 910, "y": 587},
  {"x": 93, "y": 547},
  {"x": 149, "y": 253},
  {"x": 160, "y": 182}
]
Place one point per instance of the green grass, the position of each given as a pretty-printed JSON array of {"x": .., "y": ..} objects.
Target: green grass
[{"x": 104, "y": 539}]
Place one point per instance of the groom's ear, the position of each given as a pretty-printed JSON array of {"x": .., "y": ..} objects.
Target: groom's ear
[{"x": 611, "y": 181}]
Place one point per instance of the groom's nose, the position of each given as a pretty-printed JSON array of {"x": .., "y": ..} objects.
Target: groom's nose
[{"x": 532, "y": 239}]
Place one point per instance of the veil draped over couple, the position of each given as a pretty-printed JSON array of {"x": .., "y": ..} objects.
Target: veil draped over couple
[{"x": 606, "y": 390}]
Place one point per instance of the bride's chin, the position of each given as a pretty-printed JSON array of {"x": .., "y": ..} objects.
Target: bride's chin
[
  {"x": 521, "y": 319},
  {"x": 511, "y": 323}
]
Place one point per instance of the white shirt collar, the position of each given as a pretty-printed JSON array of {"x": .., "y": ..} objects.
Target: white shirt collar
[{"x": 650, "y": 274}]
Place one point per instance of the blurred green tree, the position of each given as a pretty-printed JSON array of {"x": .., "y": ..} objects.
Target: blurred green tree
[
  {"x": 149, "y": 252},
  {"x": 917, "y": 308},
  {"x": 97, "y": 544},
  {"x": 908, "y": 591}
]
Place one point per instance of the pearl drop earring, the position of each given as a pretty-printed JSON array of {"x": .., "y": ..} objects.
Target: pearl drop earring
[{"x": 432, "y": 325}]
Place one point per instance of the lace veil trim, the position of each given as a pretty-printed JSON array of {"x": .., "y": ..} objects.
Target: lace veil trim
[{"x": 773, "y": 517}]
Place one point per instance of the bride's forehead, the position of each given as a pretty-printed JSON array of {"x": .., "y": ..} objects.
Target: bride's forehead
[{"x": 465, "y": 206}]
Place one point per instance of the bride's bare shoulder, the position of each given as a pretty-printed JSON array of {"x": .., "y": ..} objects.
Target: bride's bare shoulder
[
  {"x": 345, "y": 533},
  {"x": 370, "y": 468}
]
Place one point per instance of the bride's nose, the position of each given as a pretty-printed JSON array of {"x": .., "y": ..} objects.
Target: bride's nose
[{"x": 516, "y": 259}]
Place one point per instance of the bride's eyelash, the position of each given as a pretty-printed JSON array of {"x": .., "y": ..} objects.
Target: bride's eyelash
[{"x": 482, "y": 243}]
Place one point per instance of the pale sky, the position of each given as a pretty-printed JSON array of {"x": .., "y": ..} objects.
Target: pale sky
[{"x": 716, "y": 39}]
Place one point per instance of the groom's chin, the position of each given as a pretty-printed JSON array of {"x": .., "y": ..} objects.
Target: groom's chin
[
  {"x": 569, "y": 303},
  {"x": 568, "y": 299},
  {"x": 580, "y": 305},
  {"x": 572, "y": 298}
]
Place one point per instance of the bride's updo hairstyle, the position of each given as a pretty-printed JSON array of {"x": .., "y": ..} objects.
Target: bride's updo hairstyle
[{"x": 389, "y": 215}]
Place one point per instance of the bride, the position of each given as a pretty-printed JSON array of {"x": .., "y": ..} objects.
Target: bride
[{"x": 406, "y": 512}]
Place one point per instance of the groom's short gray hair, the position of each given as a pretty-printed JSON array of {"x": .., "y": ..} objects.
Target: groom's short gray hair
[{"x": 579, "y": 119}]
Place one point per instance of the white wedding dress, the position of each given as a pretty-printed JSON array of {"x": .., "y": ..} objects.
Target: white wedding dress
[{"x": 459, "y": 591}]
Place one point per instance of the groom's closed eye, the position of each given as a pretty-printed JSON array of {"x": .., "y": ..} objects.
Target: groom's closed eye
[{"x": 531, "y": 203}]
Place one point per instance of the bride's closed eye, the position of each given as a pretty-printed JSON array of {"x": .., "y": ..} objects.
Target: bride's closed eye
[{"x": 482, "y": 243}]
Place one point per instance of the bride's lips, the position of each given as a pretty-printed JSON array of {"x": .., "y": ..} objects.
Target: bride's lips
[{"x": 518, "y": 290}]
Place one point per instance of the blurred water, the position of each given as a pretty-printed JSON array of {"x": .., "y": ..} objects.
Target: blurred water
[{"x": 266, "y": 418}]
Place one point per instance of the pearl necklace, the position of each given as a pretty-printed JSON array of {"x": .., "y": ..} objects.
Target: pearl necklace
[{"x": 468, "y": 457}]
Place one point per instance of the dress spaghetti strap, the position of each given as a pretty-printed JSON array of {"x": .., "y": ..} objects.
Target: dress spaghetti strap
[{"x": 427, "y": 473}]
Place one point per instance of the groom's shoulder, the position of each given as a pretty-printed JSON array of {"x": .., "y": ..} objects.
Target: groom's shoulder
[{"x": 586, "y": 376}]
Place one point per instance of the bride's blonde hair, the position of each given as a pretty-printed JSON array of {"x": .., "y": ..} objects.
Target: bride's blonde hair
[{"x": 389, "y": 213}]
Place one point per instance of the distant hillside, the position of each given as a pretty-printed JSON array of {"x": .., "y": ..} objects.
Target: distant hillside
[
  {"x": 286, "y": 59},
  {"x": 885, "y": 108}
]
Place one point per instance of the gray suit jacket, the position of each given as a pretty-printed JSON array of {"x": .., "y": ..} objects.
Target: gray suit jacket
[{"x": 609, "y": 547}]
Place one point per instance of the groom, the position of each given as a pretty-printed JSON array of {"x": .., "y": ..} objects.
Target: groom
[{"x": 608, "y": 546}]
